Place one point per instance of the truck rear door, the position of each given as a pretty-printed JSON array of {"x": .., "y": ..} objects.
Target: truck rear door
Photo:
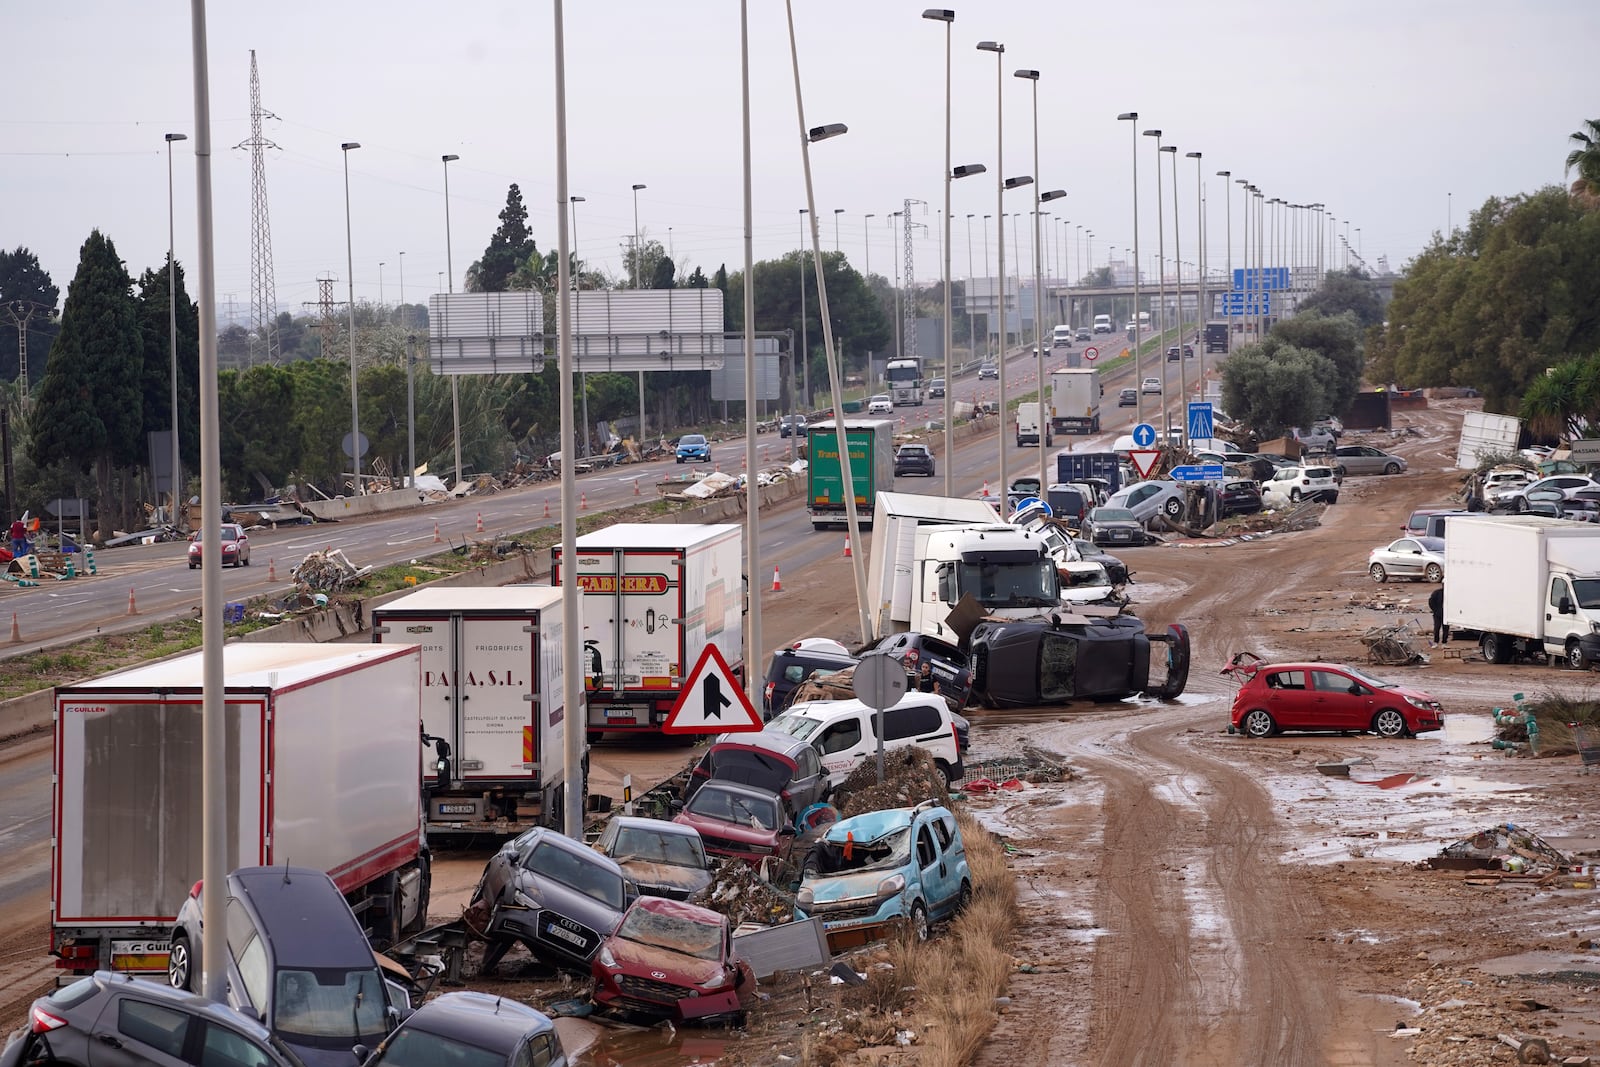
[
  {"x": 495, "y": 680},
  {"x": 633, "y": 610}
]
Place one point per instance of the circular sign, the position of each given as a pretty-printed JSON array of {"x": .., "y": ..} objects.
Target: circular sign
[
  {"x": 1091, "y": 354},
  {"x": 1144, "y": 435},
  {"x": 879, "y": 681}
]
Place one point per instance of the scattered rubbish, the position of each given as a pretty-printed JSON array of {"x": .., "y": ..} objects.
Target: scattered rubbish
[
  {"x": 328, "y": 569},
  {"x": 1391, "y": 646},
  {"x": 844, "y": 973},
  {"x": 1506, "y": 847},
  {"x": 1528, "y": 1049},
  {"x": 1587, "y": 737},
  {"x": 1341, "y": 768}
]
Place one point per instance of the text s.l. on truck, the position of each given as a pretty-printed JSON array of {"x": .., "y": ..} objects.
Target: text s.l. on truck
[
  {"x": 871, "y": 444},
  {"x": 322, "y": 768},
  {"x": 654, "y": 596},
  {"x": 493, "y": 707}
]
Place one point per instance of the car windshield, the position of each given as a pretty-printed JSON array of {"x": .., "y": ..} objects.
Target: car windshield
[
  {"x": 758, "y": 813},
  {"x": 1432, "y": 544},
  {"x": 1112, "y": 515},
  {"x": 1009, "y": 585},
  {"x": 914, "y": 450},
  {"x": 1319, "y": 472},
  {"x": 1367, "y": 679},
  {"x": 800, "y": 726},
  {"x": 679, "y": 850},
  {"x": 413, "y": 1047},
  {"x": 231, "y": 533},
  {"x": 344, "y": 1005},
  {"x": 898, "y": 373},
  {"x": 646, "y": 927},
  {"x": 885, "y": 853},
  {"x": 691, "y": 439},
  {"x": 1587, "y": 590},
  {"x": 570, "y": 869}
]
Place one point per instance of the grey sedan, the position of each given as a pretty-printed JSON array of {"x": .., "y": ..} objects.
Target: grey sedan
[
  {"x": 1364, "y": 459},
  {"x": 1418, "y": 558}
]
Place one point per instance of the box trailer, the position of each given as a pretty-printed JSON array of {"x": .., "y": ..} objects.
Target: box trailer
[
  {"x": 493, "y": 707},
  {"x": 1075, "y": 400},
  {"x": 322, "y": 764},
  {"x": 1527, "y": 586},
  {"x": 871, "y": 444},
  {"x": 1485, "y": 434},
  {"x": 654, "y": 596},
  {"x": 896, "y": 519},
  {"x": 1081, "y": 466}
]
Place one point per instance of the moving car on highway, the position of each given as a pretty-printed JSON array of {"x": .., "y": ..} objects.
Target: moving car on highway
[
  {"x": 694, "y": 446},
  {"x": 1151, "y": 385},
  {"x": 235, "y": 546},
  {"x": 913, "y": 459}
]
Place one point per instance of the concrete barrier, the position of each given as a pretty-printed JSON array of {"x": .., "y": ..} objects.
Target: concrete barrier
[{"x": 350, "y": 507}]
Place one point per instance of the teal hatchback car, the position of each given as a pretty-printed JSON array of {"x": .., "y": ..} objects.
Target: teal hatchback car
[{"x": 873, "y": 872}]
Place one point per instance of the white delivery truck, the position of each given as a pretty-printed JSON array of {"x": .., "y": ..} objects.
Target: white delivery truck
[
  {"x": 1526, "y": 585},
  {"x": 896, "y": 519},
  {"x": 1075, "y": 400},
  {"x": 322, "y": 764},
  {"x": 493, "y": 707},
  {"x": 1029, "y": 426},
  {"x": 654, "y": 596}
]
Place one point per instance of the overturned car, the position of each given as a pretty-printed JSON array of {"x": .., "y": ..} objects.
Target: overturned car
[{"x": 1059, "y": 658}]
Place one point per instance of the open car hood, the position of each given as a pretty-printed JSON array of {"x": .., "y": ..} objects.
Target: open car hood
[{"x": 749, "y": 765}]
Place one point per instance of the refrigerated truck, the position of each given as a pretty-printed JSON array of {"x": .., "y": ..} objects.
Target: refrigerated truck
[
  {"x": 1075, "y": 400},
  {"x": 493, "y": 704},
  {"x": 871, "y": 444},
  {"x": 322, "y": 763},
  {"x": 654, "y": 596}
]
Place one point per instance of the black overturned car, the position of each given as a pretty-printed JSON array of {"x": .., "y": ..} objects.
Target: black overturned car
[{"x": 1026, "y": 662}]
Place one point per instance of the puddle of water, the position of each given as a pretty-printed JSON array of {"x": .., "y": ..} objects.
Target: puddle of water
[{"x": 1452, "y": 783}]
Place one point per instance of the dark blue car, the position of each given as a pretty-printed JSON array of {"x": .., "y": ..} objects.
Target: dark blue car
[{"x": 693, "y": 447}]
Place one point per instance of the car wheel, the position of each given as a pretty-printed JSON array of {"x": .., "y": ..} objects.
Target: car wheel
[
  {"x": 194, "y": 566},
  {"x": 1434, "y": 573},
  {"x": 919, "y": 922},
  {"x": 1294, "y": 496},
  {"x": 1391, "y": 468},
  {"x": 1378, "y": 573},
  {"x": 1258, "y": 723},
  {"x": 944, "y": 772},
  {"x": 247, "y": 561},
  {"x": 1173, "y": 507},
  {"x": 180, "y": 964},
  {"x": 1340, "y": 471},
  {"x": 1575, "y": 657},
  {"x": 1522, "y": 506},
  {"x": 680, "y": 459},
  {"x": 1389, "y": 723}
]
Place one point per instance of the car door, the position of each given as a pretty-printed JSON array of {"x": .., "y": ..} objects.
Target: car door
[
  {"x": 840, "y": 744},
  {"x": 1404, "y": 557},
  {"x": 1558, "y": 627},
  {"x": 810, "y": 785},
  {"x": 221, "y": 1046},
  {"x": 1334, "y": 705},
  {"x": 134, "y": 1032},
  {"x": 1288, "y": 699}
]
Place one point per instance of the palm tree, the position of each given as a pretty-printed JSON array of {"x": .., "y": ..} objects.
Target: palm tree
[{"x": 1586, "y": 159}]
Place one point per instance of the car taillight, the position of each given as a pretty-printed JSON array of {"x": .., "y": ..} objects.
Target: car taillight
[
  {"x": 194, "y": 890},
  {"x": 42, "y": 1022}
]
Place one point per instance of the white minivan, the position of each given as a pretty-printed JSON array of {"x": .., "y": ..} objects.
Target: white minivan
[
  {"x": 1102, "y": 324},
  {"x": 844, "y": 735},
  {"x": 1061, "y": 337}
]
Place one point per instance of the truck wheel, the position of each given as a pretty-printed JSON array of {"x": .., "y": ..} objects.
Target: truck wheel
[
  {"x": 1378, "y": 573},
  {"x": 1019, "y": 442},
  {"x": 1434, "y": 573},
  {"x": 1389, "y": 723},
  {"x": 1575, "y": 657},
  {"x": 180, "y": 964},
  {"x": 1493, "y": 649}
]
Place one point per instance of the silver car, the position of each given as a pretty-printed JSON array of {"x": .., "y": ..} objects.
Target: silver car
[
  {"x": 1148, "y": 499},
  {"x": 1364, "y": 459},
  {"x": 1417, "y": 558}
]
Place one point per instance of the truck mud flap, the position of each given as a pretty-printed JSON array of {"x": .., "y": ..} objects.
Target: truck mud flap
[{"x": 1177, "y": 641}]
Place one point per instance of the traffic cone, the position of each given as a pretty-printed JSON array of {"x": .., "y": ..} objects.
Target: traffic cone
[
  {"x": 547, "y": 507},
  {"x": 986, "y": 488},
  {"x": 583, "y": 501},
  {"x": 636, "y": 488},
  {"x": 16, "y": 629},
  {"x": 133, "y": 608},
  {"x": 436, "y": 538},
  {"x": 480, "y": 522},
  {"x": 777, "y": 587},
  {"x": 272, "y": 570},
  {"x": 847, "y": 547}
]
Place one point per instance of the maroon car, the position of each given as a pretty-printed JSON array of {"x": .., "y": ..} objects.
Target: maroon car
[
  {"x": 1325, "y": 697},
  {"x": 739, "y": 822},
  {"x": 675, "y": 959}
]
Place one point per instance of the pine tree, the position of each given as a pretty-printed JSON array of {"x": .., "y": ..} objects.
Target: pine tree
[
  {"x": 156, "y": 376},
  {"x": 509, "y": 248}
]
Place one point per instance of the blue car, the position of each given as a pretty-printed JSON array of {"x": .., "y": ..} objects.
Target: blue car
[
  {"x": 694, "y": 446},
  {"x": 874, "y": 872}
]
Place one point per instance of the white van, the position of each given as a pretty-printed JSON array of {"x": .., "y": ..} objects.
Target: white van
[
  {"x": 1061, "y": 337},
  {"x": 843, "y": 732},
  {"x": 1028, "y": 427},
  {"x": 1102, "y": 324}
]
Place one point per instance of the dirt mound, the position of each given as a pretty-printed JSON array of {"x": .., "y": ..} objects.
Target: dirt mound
[{"x": 910, "y": 776}]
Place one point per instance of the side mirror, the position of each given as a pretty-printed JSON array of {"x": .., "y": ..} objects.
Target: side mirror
[
  {"x": 1565, "y": 606},
  {"x": 360, "y": 1053}
]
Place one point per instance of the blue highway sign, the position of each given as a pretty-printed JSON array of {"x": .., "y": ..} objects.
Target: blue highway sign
[
  {"x": 1257, "y": 279},
  {"x": 1195, "y": 472}
]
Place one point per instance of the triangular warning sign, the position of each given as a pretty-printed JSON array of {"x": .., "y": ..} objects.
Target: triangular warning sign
[
  {"x": 712, "y": 702},
  {"x": 1144, "y": 460}
]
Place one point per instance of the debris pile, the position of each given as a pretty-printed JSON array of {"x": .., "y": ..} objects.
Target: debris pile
[
  {"x": 739, "y": 892},
  {"x": 1391, "y": 646},
  {"x": 1505, "y": 847},
  {"x": 1033, "y": 766},
  {"x": 838, "y": 685},
  {"x": 328, "y": 570},
  {"x": 910, "y": 776}
]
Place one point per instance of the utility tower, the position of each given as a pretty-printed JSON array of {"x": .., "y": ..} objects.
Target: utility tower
[
  {"x": 910, "y": 325},
  {"x": 19, "y": 312},
  {"x": 263, "y": 283},
  {"x": 324, "y": 306}
]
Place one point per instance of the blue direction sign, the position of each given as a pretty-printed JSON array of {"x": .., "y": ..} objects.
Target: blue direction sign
[
  {"x": 1257, "y": 279},
  {"x": 1144, "y": 435},
  {"x": 1201, "y": 426},
  {"x": 1253, "y": 303},
  {"x": 1195, "y": 472}
]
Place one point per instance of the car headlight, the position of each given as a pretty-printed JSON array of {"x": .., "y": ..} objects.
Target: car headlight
[
  {"x": 804, "y": 898},
  {"x": 606, "y": 958},
  {"x": 891, "y": 886},
  {"x": 1419, "y": 703},
  {"x": 718, "y": 982},
  {"x": 528, "y": 898}
]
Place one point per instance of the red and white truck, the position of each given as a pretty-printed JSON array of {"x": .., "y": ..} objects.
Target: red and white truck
[
  {"x": 493, "y": 710},
  {"x": 322, "y": 770},
  {"x": 654, "y": 596}
]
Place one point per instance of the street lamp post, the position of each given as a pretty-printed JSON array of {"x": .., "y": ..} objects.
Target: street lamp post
[
  {"x": 752, "y": 564},
  {"x": 1038, "y": 290},
  {"x": 988, "y": 316},
  {"x": 1133, "y": 117},
  {"x": 805, "y": 343},
  {"x": 638, "y": 269},
  {"x": 381, "y": 264},
  {"x": 172, "y": 335},
  {"x": 349, "y": 262},
  {"x": 1161, "y": 258},
  {"x": 1227, "y": 235},
  {"x": 1200, "y": 313},
  {"x": 866, "y": 245},
  {"x": 836, "y": 213},
  {"x": 1177, "y": 258},
  {"x": 450, "y": 276},
  {"x": 583, "y": 376},
  {"x": 411, "y": 389},
  {"x": 999, "y": 51},
  {"x": 948, "y": 17}
]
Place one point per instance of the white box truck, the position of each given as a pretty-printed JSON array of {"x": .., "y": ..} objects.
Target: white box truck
[
  {"x": 654, "y": 596},
  {"x": 1075, "y": 400},
  {"x": 322, "y": 765},
  {"x": 493, "y": 707},
  {"x": 896, "y": 519},
  {"x": 1029, "y": 426},
  {"x": 1526, "y": 585}
]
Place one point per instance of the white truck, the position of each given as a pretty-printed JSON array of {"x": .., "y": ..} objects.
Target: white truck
[
  {"x": 1075, "y": 400},
  {"x": 904, "y": 378},
  {"x": 322, "y": 769},
  {"x": 896, "y": 519},
  {"x": 654, "y": 596},
  {"x": 1029, "y": 428},
  {"x": 1528, "y": 586},
  {"x": 493, "y": 707}
]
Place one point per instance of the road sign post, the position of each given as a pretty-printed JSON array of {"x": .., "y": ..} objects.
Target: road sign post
[
  {"x": 1091, "y": 353},
  {"x": 1144, "y": 435},
  {"x": 879, "y": 681},
  {"x": 712, "y": 702}
]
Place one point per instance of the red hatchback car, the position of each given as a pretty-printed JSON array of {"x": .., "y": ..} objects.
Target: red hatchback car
[
  {"x": 671, "y": 958},
  {"x": 1327, "y": 697}
]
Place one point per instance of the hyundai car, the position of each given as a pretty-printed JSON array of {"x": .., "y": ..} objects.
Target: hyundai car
[{"x": 673, "y": 959}]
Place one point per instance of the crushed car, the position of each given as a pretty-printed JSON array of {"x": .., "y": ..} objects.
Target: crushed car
[
  {"x": 675, "y": 960},
  {"x": 664, "y": 859},
  {"x": 1060, "y": 658}
]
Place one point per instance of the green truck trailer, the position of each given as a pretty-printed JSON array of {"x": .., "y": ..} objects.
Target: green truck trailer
[{"x": 871, "y": 444}]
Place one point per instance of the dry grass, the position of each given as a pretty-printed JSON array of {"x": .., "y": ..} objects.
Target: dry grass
[{"x": 1555, "y": 712}]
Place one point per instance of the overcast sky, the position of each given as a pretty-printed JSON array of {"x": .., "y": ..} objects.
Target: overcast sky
[{"x": 1380, "y": 110}]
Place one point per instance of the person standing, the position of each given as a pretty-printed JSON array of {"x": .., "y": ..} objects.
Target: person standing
[
  {"x": 1441, "y": 632},
  {"x": 19, "y": 539}
]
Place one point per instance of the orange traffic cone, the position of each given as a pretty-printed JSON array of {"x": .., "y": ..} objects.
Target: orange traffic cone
[
  {"x": 847, "y": 547},
  {"x": 16, "y": 629},
  {"x": 436, "y": 538},
  {"x": 480, "y": 522},
  {"x": 583, "y": 501},
  {"x": 547, "y": 507},
  {"x": 636, "y": 488},
  {"x": 133, "y": 608},
  {"x": 272, "y": 570},
  {"x": 777, "y": 587},
  {"x": 986, "y": 488}
]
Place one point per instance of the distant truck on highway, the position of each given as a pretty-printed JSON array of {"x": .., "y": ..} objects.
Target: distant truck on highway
[
  {"x": 1527, "y": 586},
  {"x": 493, "y": 707},
  {"x": 871, "y": 445},
  {"x": 1075, "y": 400},
  {"x": 1216, "y": 337},
  {"x": 322, "y": 765}
]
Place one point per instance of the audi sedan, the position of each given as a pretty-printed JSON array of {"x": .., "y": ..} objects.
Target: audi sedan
[
  {"x": 1327, "y": 697},
  {"x": 235, "y": 547},
  {"x": 1417, "y": 558}
]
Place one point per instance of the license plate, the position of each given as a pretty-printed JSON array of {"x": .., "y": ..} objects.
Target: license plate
[
  {"x": 565, "y": 935},
  {"x": 458, "y": 809},
  {"x": 621, "y": 713}
]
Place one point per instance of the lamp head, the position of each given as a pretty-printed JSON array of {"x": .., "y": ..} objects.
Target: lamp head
[
  {"x": 1128, "y": 116},
  {"x": 177, "y": 137},
  {"x": 349, "y": 145},
  {"x": 991, "y": 46},
  {"x": 1191, "y": 155},
  {"x": 1029, "y": 75},
  {"x": 578, "y": 200},
  {"x": 636, "y": 188},
  {"x": 448, "y": 159},
  {"x": 1053, "y": 194},
  {"x": 1152, "y": 133},
  {"x": 1019, "y": 181},
  {"x": 939, "y": 14},
  {"x": 1169, "y": 148},
  {"x": 1224, "y": 173},
  {"x": 822, "y": 133},
  {"x": 967, "y": 170}
]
